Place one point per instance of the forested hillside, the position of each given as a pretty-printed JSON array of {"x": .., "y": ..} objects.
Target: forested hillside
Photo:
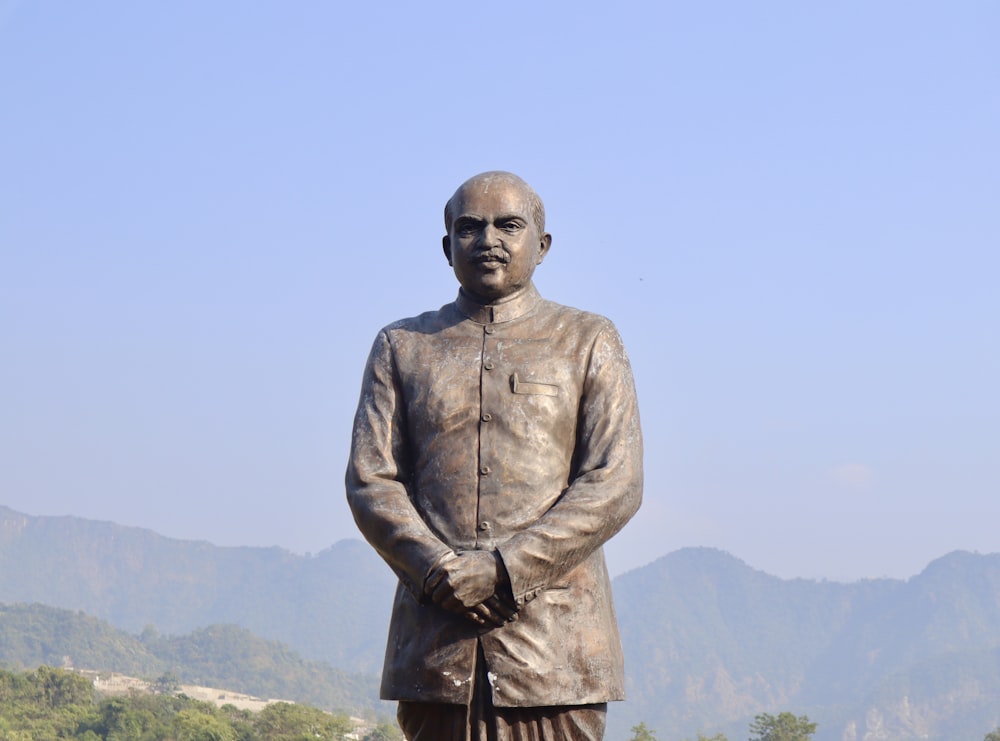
[
  {"x": 217, "y": 656},
  {"x": 332, "y": 606},
  {"x": 49, "y": 704},
  {"x": 710, "y": 642}
]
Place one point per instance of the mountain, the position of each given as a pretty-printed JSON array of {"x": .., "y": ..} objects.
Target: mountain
[
  {"x": 333, "y": 606},
  {"x": 709, "y": 641},
  {"x": 217, "y": 656}
]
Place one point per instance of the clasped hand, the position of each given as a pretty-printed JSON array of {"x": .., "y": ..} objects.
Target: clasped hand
[{"x": 466, "y": 584}]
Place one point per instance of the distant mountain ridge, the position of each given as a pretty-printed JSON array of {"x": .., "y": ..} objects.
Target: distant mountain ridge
[
  {"x": 709, "y": 641},
  {"x": 323, "y": 606}
]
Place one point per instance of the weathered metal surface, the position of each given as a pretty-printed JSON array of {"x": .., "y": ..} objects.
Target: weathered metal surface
[{"x": 507, "y": 425}]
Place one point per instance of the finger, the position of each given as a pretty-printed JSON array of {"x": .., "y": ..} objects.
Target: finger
[
  {"x": 488, "y": 615},
  {"x": 434, "y": 579},
  {"x": 475, "y": 618},
  {"x": 442, "y": 594},
  {"x": 502, "y": 609}
]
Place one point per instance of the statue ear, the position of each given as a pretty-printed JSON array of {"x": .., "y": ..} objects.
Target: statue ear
[
  {"x": 446, "y": 245},
  {"x": 543, "y": 247}
]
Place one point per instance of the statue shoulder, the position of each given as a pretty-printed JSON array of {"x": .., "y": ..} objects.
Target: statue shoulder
[
  {"x": 428, "y": 321},
  {"x": 586, "y": 321}
]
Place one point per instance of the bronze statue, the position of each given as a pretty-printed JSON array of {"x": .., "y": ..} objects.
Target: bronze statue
[{"x": 496, "y": 448}]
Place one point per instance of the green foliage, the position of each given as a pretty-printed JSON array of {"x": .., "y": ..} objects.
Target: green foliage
[
  {"x": 233, "y": 657},
  {"x": 56, "y": 704},
  {"x": 716, "y": 737},
  {"x": 283, "y": 721},
  {"x": 642, "y": 733},
  {"x": 384, "y": 732},
  {"x": 217, "y": 656},
  {"x": 783, "y": 727},
  {"x": 167, "y": 684},
  {"x": 195, "y": 724},
  {"x": 33, "y": 635},
  {"x": 993, "y": 735},
  {"x": 46, "y": 703}
]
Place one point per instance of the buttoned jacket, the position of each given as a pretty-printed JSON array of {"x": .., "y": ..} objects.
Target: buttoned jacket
[{"x": 512, "y": 428}]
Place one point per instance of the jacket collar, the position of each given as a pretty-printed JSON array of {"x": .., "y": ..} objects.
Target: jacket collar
[{"x": 496, "y": 313}]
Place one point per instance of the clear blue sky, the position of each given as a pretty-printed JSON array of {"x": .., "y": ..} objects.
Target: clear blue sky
[{"x": 791, "y": 211}]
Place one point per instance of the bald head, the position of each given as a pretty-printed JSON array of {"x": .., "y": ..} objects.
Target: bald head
[{"x": 483, "y": 183}]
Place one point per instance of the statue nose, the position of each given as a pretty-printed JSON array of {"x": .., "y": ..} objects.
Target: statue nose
[{"x": 491, "y": 235}]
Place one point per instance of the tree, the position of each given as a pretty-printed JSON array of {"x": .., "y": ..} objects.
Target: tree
[
  {"x": 641, "y": 733},
  {"x": 283, "y": 721},
  {"x": 122, "y": 719},
  {"x": 993, "y": 735},
  {"x": 783, "y": 727},
  {"x": 60, "y": 688},
  {"x": 167, "y": 684},
  {"x": 384, "y": 732},
  {"x": 196, "y": 724}
]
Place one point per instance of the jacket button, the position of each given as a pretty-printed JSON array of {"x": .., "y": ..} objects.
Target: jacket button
[
  {"x": 484, "y": 470},
  {"x": 488, "y": 365},
  {"x": 488, "y": 329},
  {"x": 484, "y": 525},
  {"x": 487, "y": 417}
]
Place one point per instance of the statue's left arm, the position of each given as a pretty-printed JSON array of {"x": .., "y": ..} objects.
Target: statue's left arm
[{"x": 605, "y": 486}]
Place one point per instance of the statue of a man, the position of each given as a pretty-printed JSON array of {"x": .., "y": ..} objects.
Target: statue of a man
[{"x": 496, "y": 448}]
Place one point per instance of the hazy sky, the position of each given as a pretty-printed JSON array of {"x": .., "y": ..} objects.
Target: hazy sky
[{"x": 791, "y": 210}]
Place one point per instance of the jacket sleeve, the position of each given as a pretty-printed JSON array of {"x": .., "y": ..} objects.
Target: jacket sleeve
[
  {"x": 605, "y": 485},
  {"x": 378, "y": 476}
]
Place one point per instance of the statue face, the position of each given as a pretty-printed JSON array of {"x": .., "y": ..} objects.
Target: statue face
[{"x": 493, "y": 244}]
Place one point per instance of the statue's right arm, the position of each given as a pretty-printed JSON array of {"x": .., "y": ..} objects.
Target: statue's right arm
[{"x": 378, "y": 474}]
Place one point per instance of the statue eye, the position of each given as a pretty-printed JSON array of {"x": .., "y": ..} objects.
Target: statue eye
[{"x": 511, "y": 226}]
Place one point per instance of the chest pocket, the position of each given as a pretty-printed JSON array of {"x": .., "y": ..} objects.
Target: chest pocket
[{"x": 538, "y": 389}]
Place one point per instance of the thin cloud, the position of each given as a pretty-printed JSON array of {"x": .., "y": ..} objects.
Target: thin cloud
[{"x": 853, "y": 475}]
